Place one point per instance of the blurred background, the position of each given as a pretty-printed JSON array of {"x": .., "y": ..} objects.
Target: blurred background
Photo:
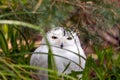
[{"x": 97, "y": 22}]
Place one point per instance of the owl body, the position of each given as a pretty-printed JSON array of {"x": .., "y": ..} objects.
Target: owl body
[{"x": 63, "y": 43}]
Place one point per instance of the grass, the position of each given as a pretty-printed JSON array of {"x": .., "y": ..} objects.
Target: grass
[{"x": 15, "y": 66}]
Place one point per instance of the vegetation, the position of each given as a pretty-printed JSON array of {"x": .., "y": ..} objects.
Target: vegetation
[{"x": 95, "y": 21}]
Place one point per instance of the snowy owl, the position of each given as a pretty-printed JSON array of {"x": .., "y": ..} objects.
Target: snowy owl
[{"x": 63, "y": 43}]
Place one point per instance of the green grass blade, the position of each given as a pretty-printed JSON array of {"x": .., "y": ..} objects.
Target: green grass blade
[
  {"x": 3, "y": 43},
  {"x": 3, "y": 76},
  {"x": 12, "y": 68},
  {"x": 21, "y": 33},
  {"x": 40, "y": 68},
  {"x": 51, "y": 65},
  {"x": 66, "y": 67},
  {"x": 20, "y": 23},
  {"x": 13, "y": 39}
]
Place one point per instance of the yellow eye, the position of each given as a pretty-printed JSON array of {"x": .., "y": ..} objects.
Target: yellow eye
[
  {"x": 54, "y": 37},
  {"x": 69, "y": 38}
]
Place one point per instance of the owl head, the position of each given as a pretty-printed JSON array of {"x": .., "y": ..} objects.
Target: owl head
[{"x": 61, "y": 37}]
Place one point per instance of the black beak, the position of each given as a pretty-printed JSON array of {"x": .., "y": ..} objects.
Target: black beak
[{"x": 61, "y": 46}]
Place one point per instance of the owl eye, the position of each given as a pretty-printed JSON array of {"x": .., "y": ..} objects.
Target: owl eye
[
  {"x": 54, "y": 37},
  {"x": 69, "y": 38}
]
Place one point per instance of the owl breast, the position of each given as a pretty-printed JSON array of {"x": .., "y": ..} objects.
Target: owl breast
[{"x": 67, "y": 57}]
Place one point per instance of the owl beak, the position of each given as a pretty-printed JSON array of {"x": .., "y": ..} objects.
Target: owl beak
[{"x": 61, "y": 46}]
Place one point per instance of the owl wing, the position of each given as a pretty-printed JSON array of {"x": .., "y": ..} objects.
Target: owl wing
[
  {"x": 82, "y": 61},
  {"x": 81, "y": 52},
  {"x": 39, "y": 57}
]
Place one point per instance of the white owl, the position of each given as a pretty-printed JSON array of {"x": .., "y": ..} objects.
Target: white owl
[{"x": 63, "y": 43}]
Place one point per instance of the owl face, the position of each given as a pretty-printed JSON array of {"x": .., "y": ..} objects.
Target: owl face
[{"x": 61, "y": 38}]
